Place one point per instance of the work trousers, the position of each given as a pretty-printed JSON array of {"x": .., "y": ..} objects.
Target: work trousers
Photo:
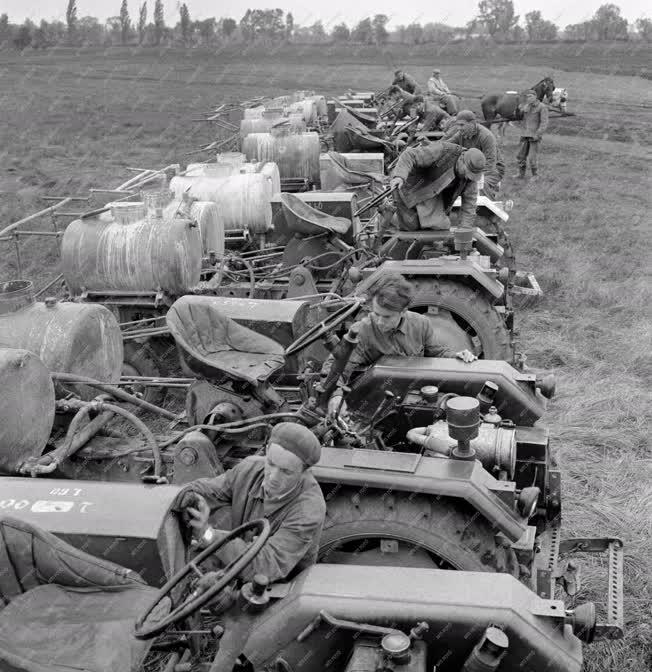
[{"x": 528, "y": 149}]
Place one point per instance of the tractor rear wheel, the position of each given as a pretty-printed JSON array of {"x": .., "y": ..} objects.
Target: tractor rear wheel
[
  {"x": 402, "y": 530},
  {"x": 472, "y": 313}
]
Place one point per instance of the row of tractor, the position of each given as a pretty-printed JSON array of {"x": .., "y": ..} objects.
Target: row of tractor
[{"x": 197, "y": 308}]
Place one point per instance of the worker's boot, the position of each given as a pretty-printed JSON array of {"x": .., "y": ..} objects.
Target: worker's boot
[{"x": 534, "y": 173}]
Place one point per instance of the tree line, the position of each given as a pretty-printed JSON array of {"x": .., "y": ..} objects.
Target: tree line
[{"x": 496, "y": 20}]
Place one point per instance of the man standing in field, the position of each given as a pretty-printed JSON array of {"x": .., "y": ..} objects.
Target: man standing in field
[
  {"x": 533, "y": 126},
  {"x": 428, "y": 179},
  {"x": 467, "y": 133}
]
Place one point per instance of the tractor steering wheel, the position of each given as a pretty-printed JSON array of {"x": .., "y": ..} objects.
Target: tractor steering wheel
[
  {"x": 194, "y": 602},
  {"x": 322, "y": 328}
]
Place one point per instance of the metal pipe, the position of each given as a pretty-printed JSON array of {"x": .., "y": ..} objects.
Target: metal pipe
[
  {"x": 113, "y": 391},
  {"x": 36, "y": 215},
  {"x": 45, "y": 289}
]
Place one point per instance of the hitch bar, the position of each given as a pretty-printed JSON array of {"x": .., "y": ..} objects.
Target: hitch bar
[{"x": 613, "y": 628}]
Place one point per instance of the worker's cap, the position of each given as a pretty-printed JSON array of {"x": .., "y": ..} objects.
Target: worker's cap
[
  {"x": 436, "y": 71},
  {"x": 465, "y": 115},
  {"x": 398, "y": 72},
  {"x": 474, "y": 162},
  {"x": 298, "y": 440}
]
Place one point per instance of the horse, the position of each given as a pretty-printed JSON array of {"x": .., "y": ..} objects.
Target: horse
[{"x": 506, "y": 105}]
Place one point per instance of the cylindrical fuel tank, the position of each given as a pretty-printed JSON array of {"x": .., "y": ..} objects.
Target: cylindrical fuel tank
[
  {"x": 230, "y": 157},
  {"x": 295, "y": 123},
  {"x": 227, "y": 169},
  {"x": 243, "y": 200},
  {"x": 320, "y": 102},
  {"x": 207, "y": 216},
  {"x": 113, "y": 253},
  {"x": 81, "y": 338},
  {"x": 254, "y": 112},
  {"x": 308, "y": 110},
  {"x": 269, "y": 169},
  {"x": 296, "y": 155},
  {"x": 26, "y": 408}
]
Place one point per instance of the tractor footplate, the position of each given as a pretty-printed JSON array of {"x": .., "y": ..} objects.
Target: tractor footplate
[{"x": 613, "y": 627}]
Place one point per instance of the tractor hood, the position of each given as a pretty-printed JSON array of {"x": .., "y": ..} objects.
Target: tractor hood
[
  {"x": 516, "y": 399},
  {"x": 457, "y": 606}
]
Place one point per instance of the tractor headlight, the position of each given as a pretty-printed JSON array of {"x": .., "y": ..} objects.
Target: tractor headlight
[{"x": 527, "y": 502}]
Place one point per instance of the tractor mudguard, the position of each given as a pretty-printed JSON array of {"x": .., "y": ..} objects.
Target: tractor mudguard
[
  {"x": 100, "y": 519},
  {"x": 437, "y": 267},
  {"x": 457, "y": 607},
  {"x": 485, "y": 202},
  {"x": 410, "y": 472}
]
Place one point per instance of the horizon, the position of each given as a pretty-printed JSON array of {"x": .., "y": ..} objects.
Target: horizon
[{"x": 557, "y": 11}]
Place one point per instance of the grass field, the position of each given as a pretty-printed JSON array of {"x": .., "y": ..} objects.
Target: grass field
[{"x": 71, "y": 120}]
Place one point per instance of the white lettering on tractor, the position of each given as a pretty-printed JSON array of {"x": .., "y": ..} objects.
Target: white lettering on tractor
[{"x": 52, "y": 506}]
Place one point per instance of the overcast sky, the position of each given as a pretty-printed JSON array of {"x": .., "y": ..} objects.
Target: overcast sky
[{"x": 455, "y": 13}]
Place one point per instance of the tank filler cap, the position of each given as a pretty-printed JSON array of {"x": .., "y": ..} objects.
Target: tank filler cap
[
  {"x": 429, "y": 393},
  {"x": 51, "y": 301},
  {"x": 396, "y": 646}
]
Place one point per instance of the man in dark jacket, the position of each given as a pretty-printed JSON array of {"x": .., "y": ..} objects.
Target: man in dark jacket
[
  {"x": 392, "y": 329},
  {"x": 279, "y": 487},
  {"x": 406, "y": 82},
  {"x": 467, "y": 133},
  {"x": 428, "y": 179},
  {"x": 431, "y": 116},
  {"x": 533, "y": 126}
]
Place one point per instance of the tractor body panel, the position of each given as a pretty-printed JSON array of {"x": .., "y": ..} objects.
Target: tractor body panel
[
  {"x": 411, "y": 472},
  {"x": 457, "y": 606},
  {"x": 127, "y": 523},
  {"x": 416, "y": 268}
]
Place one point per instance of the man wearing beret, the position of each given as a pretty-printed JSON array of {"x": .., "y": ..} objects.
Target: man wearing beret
[
  {"x": 467, "y": 133},
  {"x": 428, "y": 179},
  {"x": 533, "y": 126},
  {"x": 280, "y": 487}
]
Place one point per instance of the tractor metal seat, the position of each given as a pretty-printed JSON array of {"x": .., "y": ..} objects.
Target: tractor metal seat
[
  {"x": 348, "y": 176},
  {"x": 213, "y": 346},
  {"x": 303, "y": 218},
  {"x": 63, "y": 610}
]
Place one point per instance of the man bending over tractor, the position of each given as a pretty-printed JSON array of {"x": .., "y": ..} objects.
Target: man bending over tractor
[
  {"x": 392, "y": 329},
  {"x": 428, "y": 179},
  {"x": 467, "y": 133},
  {"x": 279, "y": 487}
]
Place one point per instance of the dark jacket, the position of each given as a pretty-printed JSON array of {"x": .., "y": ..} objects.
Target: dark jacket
[
  {"x": 535, "y": 120},
  {"x": 429, "y": 171},
  {"x": 433, "y": 117},
  {"x": 482, "y": 139},
  {"x": 407, "y": 83},
  {"x": 296, "y": 522},
  {"x": 414, "y": 337}
]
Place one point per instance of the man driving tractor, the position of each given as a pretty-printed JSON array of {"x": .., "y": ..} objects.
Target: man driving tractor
[
  {"x": 440, "y": 93},
  {"x": 428, "y": 179},
  {"x": 279, "y": 487},
  {"x": 467, "y": 133},
  {"x": 392, "y": 329}
]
